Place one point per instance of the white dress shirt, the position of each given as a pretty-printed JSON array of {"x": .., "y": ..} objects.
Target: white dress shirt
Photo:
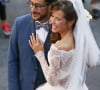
[{"x": 42, "y": 33}]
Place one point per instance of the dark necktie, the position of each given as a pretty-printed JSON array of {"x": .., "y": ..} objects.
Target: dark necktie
[{"x": 44, "y": 25}]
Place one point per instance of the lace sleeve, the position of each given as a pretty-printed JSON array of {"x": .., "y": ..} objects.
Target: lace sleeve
[{"x": 51, "y": 72}]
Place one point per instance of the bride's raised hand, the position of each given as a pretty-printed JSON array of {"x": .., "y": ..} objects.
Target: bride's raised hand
[{"x": 36, "y": 44}]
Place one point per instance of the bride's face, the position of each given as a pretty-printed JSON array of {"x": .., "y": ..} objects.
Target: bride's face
[{"x": 58, "y": 21}]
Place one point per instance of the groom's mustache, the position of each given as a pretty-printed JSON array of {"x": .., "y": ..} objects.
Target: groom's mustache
[{"x": 36, "y": 13}]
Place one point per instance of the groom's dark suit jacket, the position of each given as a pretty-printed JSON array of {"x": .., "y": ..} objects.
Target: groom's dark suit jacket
[{"x": 24, "y": 71}]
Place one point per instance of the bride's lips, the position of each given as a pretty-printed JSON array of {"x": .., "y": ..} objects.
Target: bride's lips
[{"x": 54, "y": 27}]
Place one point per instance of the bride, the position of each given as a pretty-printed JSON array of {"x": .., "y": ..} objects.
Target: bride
[{"x": 73, "y": 48}]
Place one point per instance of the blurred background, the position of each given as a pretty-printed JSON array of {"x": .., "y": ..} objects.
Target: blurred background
[{"x": 15, "y": 8}]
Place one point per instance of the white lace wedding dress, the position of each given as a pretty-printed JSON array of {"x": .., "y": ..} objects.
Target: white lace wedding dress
[{"x": 56, "y": 74}]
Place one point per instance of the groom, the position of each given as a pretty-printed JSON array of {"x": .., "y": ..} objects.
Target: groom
[{"x": 24, "y": 71}]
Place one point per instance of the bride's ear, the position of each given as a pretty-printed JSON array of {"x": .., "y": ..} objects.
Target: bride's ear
[{"x": 72, "y": 22}]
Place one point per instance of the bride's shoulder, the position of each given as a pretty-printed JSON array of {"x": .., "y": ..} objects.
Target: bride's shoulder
[{"x": 62, "y": 47}]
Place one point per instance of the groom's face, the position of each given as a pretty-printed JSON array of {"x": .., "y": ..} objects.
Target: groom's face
[{"x": 39, "y": 9}]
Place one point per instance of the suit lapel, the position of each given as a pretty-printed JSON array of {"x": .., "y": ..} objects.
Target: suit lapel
[
  {"x": 47, "y": 45},
  {"x": 31, "y": 27}
]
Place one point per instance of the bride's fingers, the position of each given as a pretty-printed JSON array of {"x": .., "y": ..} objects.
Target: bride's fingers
[
  {"x": 41, "y": 43},
  {"x": 32, "y": 39},
  {"x": 30, "y": 43},
  {"x": 37, "y": 39}
]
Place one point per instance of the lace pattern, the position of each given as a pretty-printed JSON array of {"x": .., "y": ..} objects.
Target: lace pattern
[{"x": 59, "y": 61}]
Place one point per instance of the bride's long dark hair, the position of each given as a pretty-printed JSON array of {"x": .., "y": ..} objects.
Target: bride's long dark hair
[{"x": 70, "y": 14}]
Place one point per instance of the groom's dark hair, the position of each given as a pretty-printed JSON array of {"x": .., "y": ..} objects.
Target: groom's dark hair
[{"x": 50, "y": 1}]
